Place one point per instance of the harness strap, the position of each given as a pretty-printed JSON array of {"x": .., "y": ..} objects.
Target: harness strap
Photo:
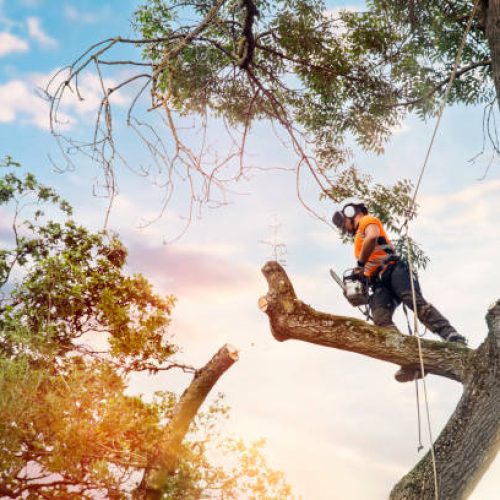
[{"x": 382, "y": 268}]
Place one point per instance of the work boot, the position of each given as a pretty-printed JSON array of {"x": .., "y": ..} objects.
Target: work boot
[
  {"x": 455, "y": 337},
  {"x": 407, "y": 374},
  {"x": 437, "y": 323}
]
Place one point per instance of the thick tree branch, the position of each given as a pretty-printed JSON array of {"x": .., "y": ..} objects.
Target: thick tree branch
[
  {"x": 493, "y": 36},
  {"x": 247, "y": 42},
  {"x": 172, "y": 54},
  {"x": 163, "y": 463},
  {"x": 292, "y": 319},
  {"x": 470, "y": 440}
]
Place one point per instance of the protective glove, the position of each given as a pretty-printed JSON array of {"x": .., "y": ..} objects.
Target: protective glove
[{"x": 359, "y": 273}]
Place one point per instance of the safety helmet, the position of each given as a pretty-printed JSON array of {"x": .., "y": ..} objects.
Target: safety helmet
[{"x": 349, "y": 211}]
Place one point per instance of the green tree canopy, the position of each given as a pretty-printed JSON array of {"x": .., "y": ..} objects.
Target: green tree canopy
[
  {"x": 68, "y": 426},
  {"x": 330, "y": 80}
]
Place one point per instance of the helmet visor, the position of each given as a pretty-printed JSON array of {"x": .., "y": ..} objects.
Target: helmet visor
[{"x": 339, "y": 220}]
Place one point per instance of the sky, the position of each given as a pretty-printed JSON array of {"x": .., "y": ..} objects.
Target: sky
[{"x": 336, "y": 423}]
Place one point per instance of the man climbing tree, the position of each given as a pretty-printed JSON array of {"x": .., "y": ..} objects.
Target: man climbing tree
[
  {"x": 471, "y": 438},
  {"x": 388, "y": 277},
  {"x": 387, "y": 274}
]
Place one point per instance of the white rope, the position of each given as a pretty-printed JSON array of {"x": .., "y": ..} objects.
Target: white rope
[
  {"x": 422, "y": 369},
  {"x": 410, "y": 213}
]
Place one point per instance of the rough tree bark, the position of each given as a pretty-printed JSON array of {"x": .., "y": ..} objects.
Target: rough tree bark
[
  {"x": 471, "y": 438},
  {"x": 163, "y": 463},
  {"x": 491, "y": 9}
]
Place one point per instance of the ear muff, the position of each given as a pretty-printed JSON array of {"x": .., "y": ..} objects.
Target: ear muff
[{"x": 349, "y": 210}]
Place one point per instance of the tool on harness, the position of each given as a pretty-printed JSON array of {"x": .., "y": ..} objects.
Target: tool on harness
[
  {"x": 342, "y": 285},
  {"x": 355, "y": 288}
]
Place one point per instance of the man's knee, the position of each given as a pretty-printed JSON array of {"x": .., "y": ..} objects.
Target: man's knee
[
  {"x": 408, "y": 301},
  {"x": 426, "y": 310},
  {"x": 382, "y": 314}
]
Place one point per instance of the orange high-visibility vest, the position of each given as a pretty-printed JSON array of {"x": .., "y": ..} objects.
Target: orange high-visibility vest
[{"x": 383, "y": 247}]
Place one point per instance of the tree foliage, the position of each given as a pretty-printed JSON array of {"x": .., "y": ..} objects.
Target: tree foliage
[
  {"x": 337, "y": 74},
  {"x": 68, "y": 426},
  {"x": 328, "y": 80}
]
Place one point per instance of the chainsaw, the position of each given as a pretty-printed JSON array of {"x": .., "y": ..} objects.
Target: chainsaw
[{"x": 355, "y": 289}]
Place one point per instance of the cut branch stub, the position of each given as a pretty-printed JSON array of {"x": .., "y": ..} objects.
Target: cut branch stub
[
  {"x": 292, "y": 319},
  {"x": 163, "y": 463}
]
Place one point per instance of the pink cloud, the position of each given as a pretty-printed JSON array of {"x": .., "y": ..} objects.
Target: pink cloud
[{"x": 185, "y": 270}]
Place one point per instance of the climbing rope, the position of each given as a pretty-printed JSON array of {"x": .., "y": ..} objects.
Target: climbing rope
[
  {"x": 409, "y": 215},
  {"x": 419, "y": 420},
  {"x": 422, "y": 373},
  {"x": 420, "y": 446}
]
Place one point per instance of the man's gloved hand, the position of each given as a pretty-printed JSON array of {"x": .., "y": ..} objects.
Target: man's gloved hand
[{"x": 359, "y": 272}]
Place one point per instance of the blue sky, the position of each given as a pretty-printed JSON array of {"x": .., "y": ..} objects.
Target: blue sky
[{"x": 333, "y": 421}]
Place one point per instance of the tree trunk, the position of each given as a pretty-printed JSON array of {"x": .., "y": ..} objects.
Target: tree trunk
[
  {"x": 493, "y": 35},
  {"x": 470, "y": 440},
  {"x": 163, "y": 463}
]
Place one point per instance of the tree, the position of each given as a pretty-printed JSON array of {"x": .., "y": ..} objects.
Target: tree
[
  {"x": 470, "y": 440},
  {"x": 68, "y": 426},
  {"x": 330, "y": 82}
]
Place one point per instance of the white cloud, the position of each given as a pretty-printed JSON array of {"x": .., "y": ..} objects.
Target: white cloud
[
  {"x": 458, "y": 232},
  {"x": 338, "y": 27},
  {"x": 10, "y": 44},
  {"x": 467, "y": 201},
  {"x": 19, "y": 102},
  {"x": 335, "y": 12},
  {"x": 72, "y": 14},
  {"x": 36, "y": 32}
]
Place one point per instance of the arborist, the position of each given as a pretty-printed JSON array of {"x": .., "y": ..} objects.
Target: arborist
[{"x": 387, "y": 275}]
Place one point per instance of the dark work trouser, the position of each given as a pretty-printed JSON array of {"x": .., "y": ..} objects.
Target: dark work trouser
[{"x": 395, "y": 287}]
